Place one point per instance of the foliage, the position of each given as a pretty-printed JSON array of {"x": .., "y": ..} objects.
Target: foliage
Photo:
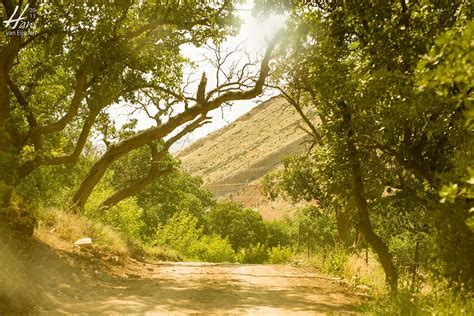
[
  {"x": 335, "y": 259},
  {"x": 51, "y": 186},
  {"x": 170, "y": 194},
  {"x": 298, "y": 180},
  {"x": 242, "y": 227},
  {"x": 279, "y": 255},
  {"x": 125, "y": 217},
  {"x": 278, "y": 234},
  {"x": 391, "y": 86},
  {"x": 61, "y": 87},
  {"x": 448, "y": 65},
  {"x": 313, "y": 230},
  {"x": 180, "y": 233},
  {"x": 213, "y": 249},
  {"x": 166, "y": 196},
  {"x": 253, "y": 254}
]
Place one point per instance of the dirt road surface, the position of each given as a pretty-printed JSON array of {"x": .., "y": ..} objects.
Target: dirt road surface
[
  {"x": 39, "y": 279},
  {"x": 208, "y": 289}
]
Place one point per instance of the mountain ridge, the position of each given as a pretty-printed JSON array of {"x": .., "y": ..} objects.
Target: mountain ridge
[{"x": 233, "y": 159}]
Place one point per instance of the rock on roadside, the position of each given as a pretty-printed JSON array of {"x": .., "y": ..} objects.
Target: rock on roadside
[{"x": 83, "y": 243}]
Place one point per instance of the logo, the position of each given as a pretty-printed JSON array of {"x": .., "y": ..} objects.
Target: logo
[{"x": 19, "y": 25}]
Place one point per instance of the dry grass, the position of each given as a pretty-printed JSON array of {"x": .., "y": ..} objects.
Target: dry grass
[
  {"x": 369, "y": 273},
  {"x": 232, "y": 160},
  {"x": 365, "y": 277},
  {"x": 61, "y": 229}
]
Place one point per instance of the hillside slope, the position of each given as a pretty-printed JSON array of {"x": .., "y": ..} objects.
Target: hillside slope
[{"x": 232, "y": 160}]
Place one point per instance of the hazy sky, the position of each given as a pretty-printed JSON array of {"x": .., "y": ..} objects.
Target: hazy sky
[{"x": 250, "y": 40}]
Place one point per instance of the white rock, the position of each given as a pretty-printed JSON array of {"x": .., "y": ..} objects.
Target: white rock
[
  {"x": 83, "y": 242},
  {"x": 363, "y": 287}
]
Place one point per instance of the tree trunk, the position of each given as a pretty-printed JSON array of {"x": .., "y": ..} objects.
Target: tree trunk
[
  {"x": 132, "y": 189},
  {"x": 343, "y": 225},
  {"x": 364, "y": 225},
  {"x": 6, "y": 197},
  {"x": 416, "y": 259}
]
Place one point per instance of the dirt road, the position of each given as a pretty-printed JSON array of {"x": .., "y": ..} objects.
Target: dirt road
[
  {"x": 190, "y": 288},
  {"x": 39, "y": 279}
]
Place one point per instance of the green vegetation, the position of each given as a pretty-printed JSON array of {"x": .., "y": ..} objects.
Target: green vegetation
[
  {"x": 389, "y": 174},
  {"x": 392, "y": 155},
  {"x": 279, "y": 254}
]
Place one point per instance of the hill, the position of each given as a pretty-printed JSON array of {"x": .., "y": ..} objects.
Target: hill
[{"x": 232, "y": 160}]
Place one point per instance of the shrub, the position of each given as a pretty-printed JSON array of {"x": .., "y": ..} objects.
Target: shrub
[
  {"x": 314, "y": 229},
  {"x": 335, "y": 260},
  {"x": 174, "y": 193},
  {"x": 253, "y": 254},
  {"x": 278, "y": 234},
  {"x": 125, "y": 216},
  {"x": 242, "y": 227},
  {"x": 180, "y": 233},
  {"x": 279, "y": 254},
  {"x": 213, "y": 249}
]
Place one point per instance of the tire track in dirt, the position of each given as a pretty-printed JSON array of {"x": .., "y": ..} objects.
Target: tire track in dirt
[{"x": 213, "y": 289}]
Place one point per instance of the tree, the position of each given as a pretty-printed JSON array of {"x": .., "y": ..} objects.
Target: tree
[
  {"x": 356, "y": 64},
  {"x": 242, "y": 227},
  {"x": 171, "y": 192},
  {"x": 311, "y": 178},
  {"x": 216, "y": 97},
  {"x": 74, "y": 67},
  {"x": 82, "y": 58},
  {"x": 155, "y": 170}
]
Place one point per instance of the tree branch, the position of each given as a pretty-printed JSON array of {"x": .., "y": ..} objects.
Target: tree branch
[
  {"x": 154, "y": 172},
  {"x": 30, "y": 118},
  {"x": 79, "y": 95},
  {"x": 140, "y": 139},
  {"x": 30, "y": 166}
]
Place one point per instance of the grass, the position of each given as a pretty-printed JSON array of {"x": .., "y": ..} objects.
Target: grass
[
  {"x": 442, "y": 300},
  {"x": 61, "y": 229},
  {"x": 351, "y": 267},
  {"x": 360, "y": 272},
  {"x": 434, "y": 297}
]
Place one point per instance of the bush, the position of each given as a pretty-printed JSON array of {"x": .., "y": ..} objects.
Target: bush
[
  {"x": 440, "y": 301},
  {"x": 125, "y": 216},
  {"x": 242, "y": 227},
  {"x": 213, "y": 249},
  {"x": 278, "y": 234},
  {"x": 313, "y": 229},
  {"x": 279, "y": 254},
  {"x": 253, "y": 254},
  {"x": 335, "y": 260},
  {"x": 180, "y": 233},
  {"x": 49, "y": 186},
  {"x": 174, "y": 193}
]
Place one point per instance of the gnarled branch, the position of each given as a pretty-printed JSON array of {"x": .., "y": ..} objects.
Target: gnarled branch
[
  {"x": 154, "y": 172},
  {"x": 140, "y": 139}
]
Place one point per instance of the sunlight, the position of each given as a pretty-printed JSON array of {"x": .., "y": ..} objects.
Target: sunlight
[
  {"x": 252, "y": 39},
  {"x": 258, "y": 31}
]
